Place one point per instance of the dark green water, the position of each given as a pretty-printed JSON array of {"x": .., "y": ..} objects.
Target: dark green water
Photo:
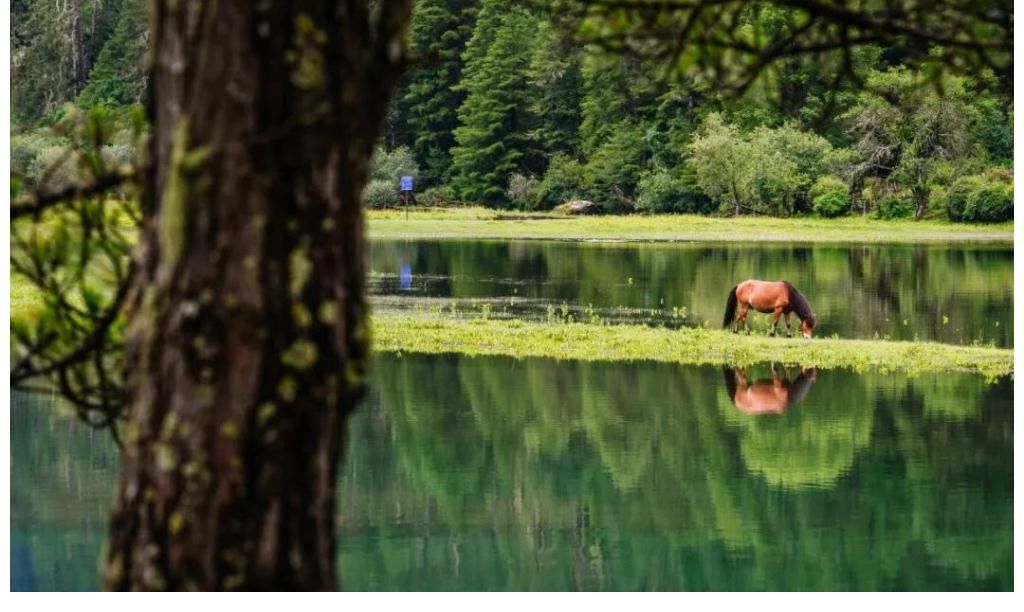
[
  {"x": 495, "y": 474},
  {"x": 955, "y": 295}
]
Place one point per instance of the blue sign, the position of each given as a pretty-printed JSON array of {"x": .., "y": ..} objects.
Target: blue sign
[
  {"x": 406, "y": 183},
  {"x": 405, "y": 277}
]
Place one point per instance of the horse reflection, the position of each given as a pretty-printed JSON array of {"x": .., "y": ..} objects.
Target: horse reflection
[{"x": 767, "y": 396}]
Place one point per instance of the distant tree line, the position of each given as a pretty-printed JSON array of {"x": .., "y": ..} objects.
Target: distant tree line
[{"x": 502, "y": 109}]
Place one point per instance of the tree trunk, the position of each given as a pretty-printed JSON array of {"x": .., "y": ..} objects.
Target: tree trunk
[
  {"x": 247, "y": 342},
  {"x": 78, "y": 60}
]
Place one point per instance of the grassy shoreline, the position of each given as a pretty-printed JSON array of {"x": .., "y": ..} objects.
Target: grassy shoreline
[
  {"x": 482, "y": 223},
  {"x": 423, "y": 333}
]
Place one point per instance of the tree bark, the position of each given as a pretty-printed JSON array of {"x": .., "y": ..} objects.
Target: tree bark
[
  {"x": 78, "y": 60},
  {"x": 247, "y": 342}
]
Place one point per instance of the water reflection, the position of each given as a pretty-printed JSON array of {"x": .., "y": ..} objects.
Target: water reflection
[
  {"x": 405, "y": 276},
  {"x": 956, "y": 295},
  {"x": 768, "y": 395},
  {"x": 495, "y": 474}
]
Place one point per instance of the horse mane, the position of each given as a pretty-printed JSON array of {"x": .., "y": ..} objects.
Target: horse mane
[
  {"x": 730, "y": 382},
  {"x": 798, "y": 390},
  {"x": 800, "y": 305}
]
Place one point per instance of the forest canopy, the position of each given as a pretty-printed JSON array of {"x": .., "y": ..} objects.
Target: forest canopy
[{"x": 783, "y": 108}]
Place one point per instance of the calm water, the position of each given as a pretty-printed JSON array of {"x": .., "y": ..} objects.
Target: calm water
[
  {"x": 490, "y": 473},
  {"x": 954, "y": 295}
]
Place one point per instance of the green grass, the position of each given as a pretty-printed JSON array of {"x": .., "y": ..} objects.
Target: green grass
[
  {"x": 450, "y": 223},
  {"x": 430, "y": 333}
]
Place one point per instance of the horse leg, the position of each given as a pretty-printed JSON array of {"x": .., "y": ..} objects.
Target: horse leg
[
  {"x": 789, "y": 330},
  {"x": 775, "y": 320},
  {"x": 741, "y": 317}
]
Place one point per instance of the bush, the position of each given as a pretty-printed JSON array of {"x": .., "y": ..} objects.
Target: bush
[
  {"x": 380, "y": 193},
  {"x": 564, "y": 180},
  {"x": 663, "y": 191},
  {"x": 989, "y": 203},
  {"x": 393, "y": 165},
  {"x": 954, "y": 200},
  {"x": 980, "y": 198},
  {"x": 894, "y": 207},
  {"x": 830, "y": 197},
  {"x": 25, "y": 150},
  {"x": 440, "y": 195},
  {"x": 58, "y": 166},
  {"x": 522, "y": 190}
]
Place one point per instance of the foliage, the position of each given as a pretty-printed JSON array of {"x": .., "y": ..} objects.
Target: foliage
[
  {"x": 385, "y": 176},
  {"x": 903, "y": 132},
  {"x": 980, "y": 198},
  {"x": 430, "y": 99},
  {"x": 491, "y": 140},
  {"x": 393, "y": 165},
  {"x": 893, "y": 206},
  {"x": 565, "y": 180},
  {"x": 830, "y": 196},
  {"x": 989, "y": 203},
  {"x": 661, "y": 191},
  {"x": 522, "y": 190},
  {"x": 502, "y": 90},
  {"x": 117, "y": 78},
  {"x": 614, "y": 168},
  {"x": 380, "y": 193},
  {"x": 768, "y": 171},
  {"x": 74, "y": 255},
  {"x": 44, "y": 54}
]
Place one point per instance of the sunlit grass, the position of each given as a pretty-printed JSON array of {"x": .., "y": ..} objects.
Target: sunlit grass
[
  {"x": 475, "y": 222},
  {"x": 433, "y": 333},
  {"x": 425, "y": 332}
]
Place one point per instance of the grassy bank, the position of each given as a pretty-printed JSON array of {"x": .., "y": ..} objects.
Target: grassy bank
[
  {"x": 425, "y": 333},
  {"x": 451, "y": 223}
]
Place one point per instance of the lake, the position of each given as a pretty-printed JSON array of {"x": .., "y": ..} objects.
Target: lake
[
  {"x": 496, "y": 474},
  {"x": 955, "y": 295}
]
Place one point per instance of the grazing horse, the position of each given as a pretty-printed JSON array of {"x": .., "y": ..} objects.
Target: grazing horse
[
  {"x": 767, "y": 396},
  {"x": 777, "y": 297}
]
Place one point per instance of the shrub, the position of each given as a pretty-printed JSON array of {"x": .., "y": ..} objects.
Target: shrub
[
  {"x": 989, "y": 203},
  {"x": 830, "y": 196},
  {"x": 663, "y": 191},
  {"x": 522, "y": 190},
  {"x": 954, "y": 200},
  {"x": 116, "y": 155},
  {"x": 58, "y": 166},
  {"x": 440, "y": 195},
  {"x": 894, "y": 207},
  {"x": 393, "y": 165},
  {"x": 564, "y": 180},
  {"x": 981, "y": 198},
  {"x": 380, "y": 193},
  {"x": 25, "y": 150}
]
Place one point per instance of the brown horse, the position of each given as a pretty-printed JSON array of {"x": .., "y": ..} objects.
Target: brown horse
[
  {"x": 777, "y": 297},
  {"x": 767, "y": 396}
]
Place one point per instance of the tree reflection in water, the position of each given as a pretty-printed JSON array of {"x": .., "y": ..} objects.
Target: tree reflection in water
[{"x": 495, "y": 473}]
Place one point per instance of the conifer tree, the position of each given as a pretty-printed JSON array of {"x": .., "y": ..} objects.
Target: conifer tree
[
  {"x": 440, "y": 31},
  {"x": 491, "y": 140}
]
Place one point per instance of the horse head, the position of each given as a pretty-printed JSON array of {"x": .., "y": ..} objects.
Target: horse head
[{"x": 807, "y": 325}]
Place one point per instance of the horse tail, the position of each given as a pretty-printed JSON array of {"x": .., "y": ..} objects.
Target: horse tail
[
  {"x": 730, "y": 308},
  {"x": 730, "y": 382}
]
